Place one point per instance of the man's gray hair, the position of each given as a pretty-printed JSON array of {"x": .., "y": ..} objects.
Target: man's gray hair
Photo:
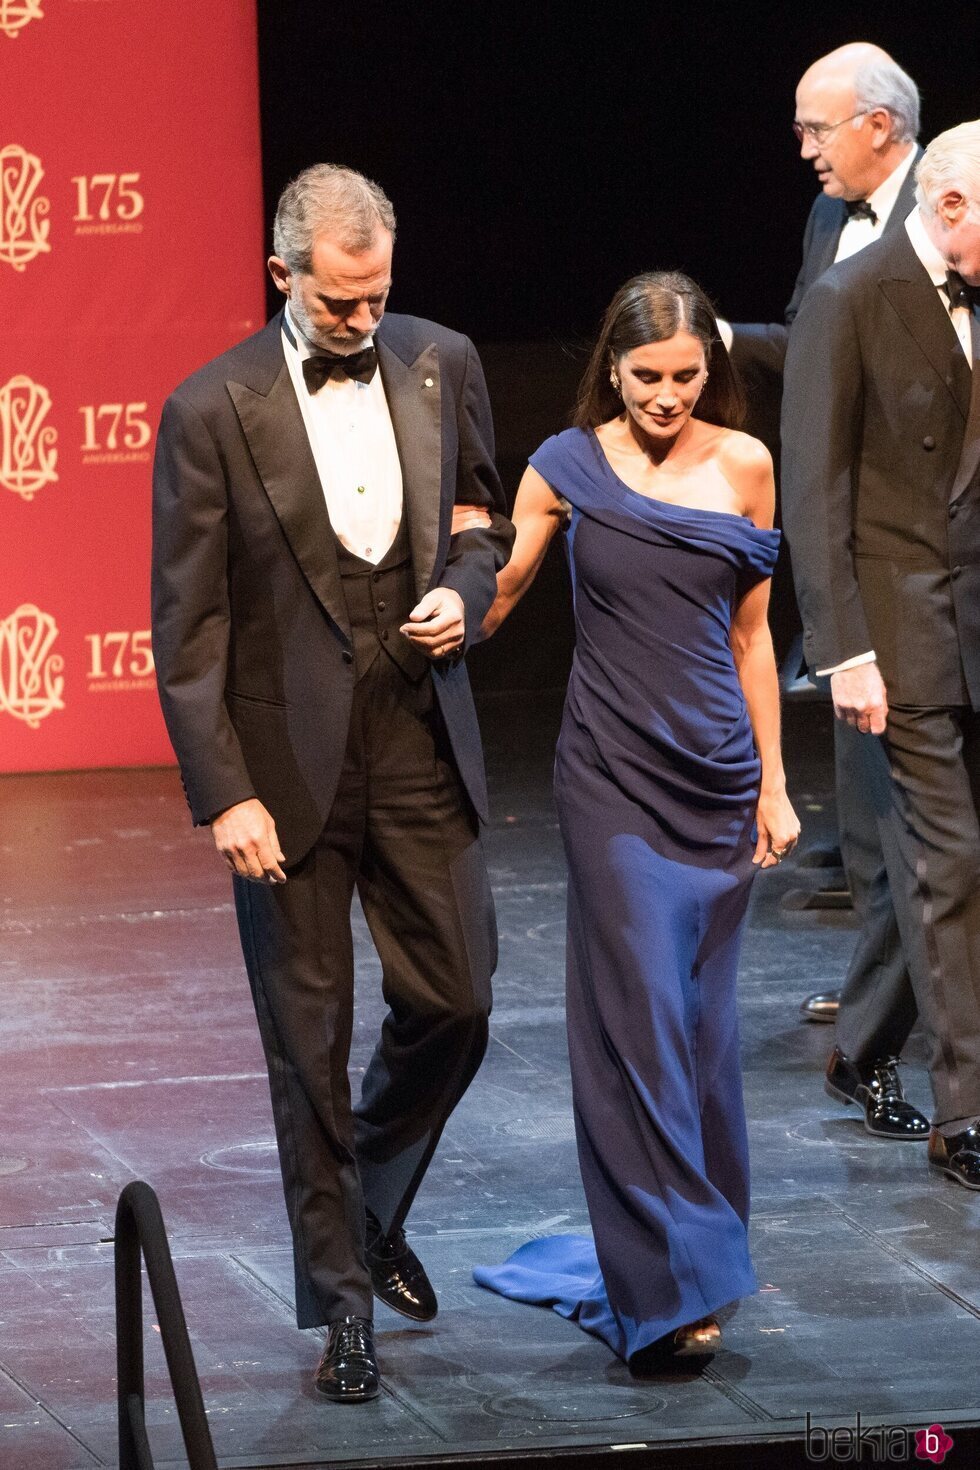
[
  {"x": 883, "y": 83},
  {"x": 952, "y": 161},
  {"x": 328, "y": 199}
]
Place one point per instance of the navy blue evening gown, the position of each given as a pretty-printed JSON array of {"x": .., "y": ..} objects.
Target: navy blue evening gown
[{"x": 656, "y": 782}]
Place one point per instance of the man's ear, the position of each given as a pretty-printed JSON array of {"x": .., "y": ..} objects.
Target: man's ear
[
  {"x": 950, "y": 207},
  {"x": 280, "y": 273},
  {"x": 881, "y": 122}
]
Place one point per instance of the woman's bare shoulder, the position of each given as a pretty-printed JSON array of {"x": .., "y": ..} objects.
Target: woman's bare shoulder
[{"x": 742, "y": 456}]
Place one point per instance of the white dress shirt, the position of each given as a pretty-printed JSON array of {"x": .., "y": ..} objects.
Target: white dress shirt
[
  {"x": 932, "y": 260},
  {"x": 353, "y": 442},
  {"x": 858, "y": 231},
  {"x": 934, "y": 263}
]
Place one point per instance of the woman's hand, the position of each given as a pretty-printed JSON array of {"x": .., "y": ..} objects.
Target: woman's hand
[
  {"x": 778, "y": 826},
  {"x": 470, "y": 518}
]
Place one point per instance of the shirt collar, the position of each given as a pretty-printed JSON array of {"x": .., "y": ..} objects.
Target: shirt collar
[
  {"x": 294, "y": 336},
  {"x": 928, "y": 253},
  {"x": 885, "y": 197}
]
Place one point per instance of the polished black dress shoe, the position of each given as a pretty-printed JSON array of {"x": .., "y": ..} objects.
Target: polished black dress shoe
[
  {"x": 397, "y": 1275},
  {"x": 958, "y": 1156},
  {"x": 875, "y": 1086},
  {"x": 348, "y": 1371},
  {"x": 822, "y": 1006}
]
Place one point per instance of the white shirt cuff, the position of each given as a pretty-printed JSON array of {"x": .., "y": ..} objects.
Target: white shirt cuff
[
  {"x": 849, "y": 663},
  {"x": 725, "y": 333}
]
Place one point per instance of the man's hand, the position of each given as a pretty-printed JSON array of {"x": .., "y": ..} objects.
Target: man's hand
[
  {"x": 860, "y": 699},
  {"x": 245, "y": 835},
  {"x": 470, "y": 518},
  {"x": 437, "y": 624}
]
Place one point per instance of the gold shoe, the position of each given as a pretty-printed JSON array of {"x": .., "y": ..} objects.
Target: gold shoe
[{"x": 697, "y": 1339}]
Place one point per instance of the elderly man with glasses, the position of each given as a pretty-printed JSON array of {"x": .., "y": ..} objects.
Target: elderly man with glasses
[
  {"x": 881, "y": 484},
  {"x": 857, "y": 118}
]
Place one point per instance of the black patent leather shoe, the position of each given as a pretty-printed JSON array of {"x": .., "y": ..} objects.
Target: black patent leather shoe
[
  {"x": 348, "y": 1371},
  {"x": 822, "y": 1006},
  {"x": 958, "y": 1156},
  {"x": 397, "y": 1275},
  {"x": 875, "y": 1087}
]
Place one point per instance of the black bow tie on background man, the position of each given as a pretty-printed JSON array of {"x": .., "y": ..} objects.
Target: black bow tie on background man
[
  {"x": 323, "y": 365},
  {"x": 860, "y": 209},
  {"x": 960, "y": 292}
]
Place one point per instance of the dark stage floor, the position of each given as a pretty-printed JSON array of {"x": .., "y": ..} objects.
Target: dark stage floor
[{"x": 129, "y": 1050}]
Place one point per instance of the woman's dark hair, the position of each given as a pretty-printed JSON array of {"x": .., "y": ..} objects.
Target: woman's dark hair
[{"x": 651, "y": 308}]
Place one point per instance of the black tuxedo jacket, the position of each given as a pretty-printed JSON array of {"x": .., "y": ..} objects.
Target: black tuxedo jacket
[
  {"x": 880, "y": 507},
  {"x": 251, "y": 637},
  {"x": 759, "y": 348}
]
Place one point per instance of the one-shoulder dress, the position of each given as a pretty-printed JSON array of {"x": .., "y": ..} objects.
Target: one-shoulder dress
[{"x": 656, "y": 783}]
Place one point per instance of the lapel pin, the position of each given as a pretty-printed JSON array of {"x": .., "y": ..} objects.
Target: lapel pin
[{"x": 428, "y": 383}]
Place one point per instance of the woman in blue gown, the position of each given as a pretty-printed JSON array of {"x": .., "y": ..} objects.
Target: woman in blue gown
[{"x": 670, "y": 792}]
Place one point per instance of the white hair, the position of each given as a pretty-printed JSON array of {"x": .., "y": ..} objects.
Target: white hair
[
  {"x": 952, "y": 161},
  {"x": 328, "y": 199},
  {"x": 881, "y": 82}
]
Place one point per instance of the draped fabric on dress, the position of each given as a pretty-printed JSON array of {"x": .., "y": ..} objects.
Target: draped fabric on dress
[{"x": 656, "y": 781}]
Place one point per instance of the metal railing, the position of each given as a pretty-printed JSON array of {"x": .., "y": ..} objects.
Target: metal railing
[{"x": 140, "y": 1233}]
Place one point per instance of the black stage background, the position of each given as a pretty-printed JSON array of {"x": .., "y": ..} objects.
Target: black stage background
[{"x": 537, "y": 158}]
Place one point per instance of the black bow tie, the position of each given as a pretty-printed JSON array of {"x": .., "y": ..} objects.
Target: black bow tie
[
  {"x": 960, "y": 293},
  {"x": 323, "y": 365},
  {"x": 860, "y": 209}
]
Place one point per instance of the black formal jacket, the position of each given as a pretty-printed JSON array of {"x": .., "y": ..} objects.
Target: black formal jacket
[
  {"x": 883, "y": 524},
  {"x": 251, "y": 638},
  {"x": 759, "y": 348}
]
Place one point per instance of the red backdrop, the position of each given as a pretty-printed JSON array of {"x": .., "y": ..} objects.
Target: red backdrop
[{"x": 130, "y": 253}]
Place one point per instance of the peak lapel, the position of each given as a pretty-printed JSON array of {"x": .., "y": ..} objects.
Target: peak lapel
[
  {"x": 415, "y": 404},
  {"x": 916, "y": 302},
  {"x": 273, "y": 427},
  {"x": 970, "y": 453},
  {"x": 825, "y": 247}
]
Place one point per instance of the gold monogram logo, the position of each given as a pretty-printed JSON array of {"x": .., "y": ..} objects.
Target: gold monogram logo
[
  {"x": 31, "y": 682},
  {"x": 23, "y": 228},
  {"x": 27, "y": 452},
  {"x": 16, "y": 14}
]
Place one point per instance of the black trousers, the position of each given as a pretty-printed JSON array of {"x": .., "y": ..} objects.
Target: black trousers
[
  {"x": 877, "y": 1004},
  {"x": 403, "y": 834},
  {"x": 925, "y": 778}
]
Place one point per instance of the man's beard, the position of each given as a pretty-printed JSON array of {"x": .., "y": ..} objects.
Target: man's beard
[{"x": 345, "y": 343}]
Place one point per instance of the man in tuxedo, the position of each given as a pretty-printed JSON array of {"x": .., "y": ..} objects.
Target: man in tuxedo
[
  {"x": 881, "y": 501},
  {"x": 857, "y": 118},
  {"x": 312, "y": 600}
]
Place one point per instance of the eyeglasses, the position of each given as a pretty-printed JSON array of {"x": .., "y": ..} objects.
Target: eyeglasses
[{"x": 820, "y": 132}]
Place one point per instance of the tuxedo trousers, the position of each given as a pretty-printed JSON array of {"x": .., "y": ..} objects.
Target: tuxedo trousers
[
  {"x": 403, "y": 834},
  {"x": 877, "y": 1003},
  {"x": 924, "y": 777}
]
